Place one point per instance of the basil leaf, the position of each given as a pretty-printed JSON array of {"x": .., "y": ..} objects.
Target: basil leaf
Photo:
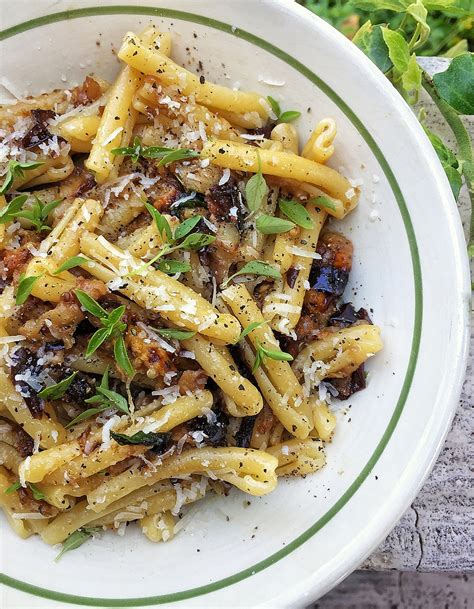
[
  {"x": 174, "y": 333},
  {"x": 117, "y": 400},
  {"x": 322, "y": 201},
  {"x": 24, "y": 287},
  {"x": 269, "y": 225},
  {"x": 456, "y": 84},
  {"x": 262, "y": 352},
  {"x": 91, "y": 305},
  {"x": 370, "y": 41},
  {"x": 162, "y": 224},
  {"x": 16, "y": 169},
  {"x": 12, "y": 208},
  {"x": 171, "y": 267},
  {"x": 275, "y": 106},
  {"x": 295, "y": 212},
  {"x": 156, "y": 440},
  {"x": 54, "y": 392},
  {"x": 121, "y": 356},
  {"x": 255, "y": 267},
  {"x": 398, "y": 49},
  {"x": 70, "y": 264},
  {"x": 178, "y": 155},
  {"x": 37, "y": 493},
  {"x": 250, "y": 328},
  {"x": 86, "y": 414},
  {"x": 186, "y": 227},
  {"x": 196, "y": 241},
  {"x": 16, "y": 486},
  {"x": 97, "y": 339},
  {"x": 255, "y": 191},
  {"x": 76, "y": 539},
  {"x": 288, "y": 116}
]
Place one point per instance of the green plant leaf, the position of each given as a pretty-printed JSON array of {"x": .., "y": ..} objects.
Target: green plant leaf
[
  {"x": 448, "y": 161},
  {"x": 411, "y": 79},
  {"x": 158, "y": 441},
  {"x": 171, "y": 267},
  {"x": 370, "y": 40},
  {"x": 455, "y": 179},
  {"x": 398, "y": 49},
  {"x": 70, "y": 264},
  {"x": 86, "y": 415},
  {"x": 121, "y": 356},
  {"x": 56, "y": 391},
  {"x": 25, "y": 286},
  {"x": 275, "y": 106},
  {"x": 90, "y": 305},
  {"x": 288, "y": 116},
  {"x": 196, "y": 241},
  {"x": 178, "y": 155},
  {"x": 269, "y": 225},
  {"x": 8, "y": 213},
  {"x": 37, "y": 493},
  {"x": 255, "y": 267},
  {"x": 16, "y": 169},
  {"x": 295, "y": 212},
  {"x": 162, "y": 224},
  {"x": 322, "y": 201},
  {"x": 174, "y": 333},
  {"x": 186, "y": 227},
  {"x": 375, "y": 5},
  {"x": 261, "y": 353},
  {"x": 456, "y": 84},
  {"x": 16, "y": 486},
  {"x": 256, "y": 189},
  {"x": 250, "y": 328},
  {"x": 76, "y": 539},
  {"x": 114, "y": 399},
  {"x": 97, "y": 339}
]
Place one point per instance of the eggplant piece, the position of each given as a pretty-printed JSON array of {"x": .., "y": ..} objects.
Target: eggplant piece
[
  {"x": 225, "y": 204},
  {"x": 244, "y": 435},
  {"x": 39, "y": 132},
  {"x": 25, "y": 365},
  {"x": 346, "y": 316},
  {"x": 329, "y": 279},
  {"x": 349, "y": 385},
  {"x": 215, "y": 431}
]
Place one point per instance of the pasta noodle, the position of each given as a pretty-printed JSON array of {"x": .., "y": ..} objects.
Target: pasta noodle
[{"x": 172, "y": 315}]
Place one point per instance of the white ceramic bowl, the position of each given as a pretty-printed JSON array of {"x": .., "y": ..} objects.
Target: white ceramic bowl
[{"x": 410, "y": 268}]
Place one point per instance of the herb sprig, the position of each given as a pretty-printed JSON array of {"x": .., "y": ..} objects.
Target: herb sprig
[
  {"x": 182, "y": 238},
  {"x": 112, "y": 329},
  {"x": 282, "y": 117},
  {"x": 38, "y": 214},
  {"x": 25, "y": 286},
  {"x": 56, "y": 391},
  {"x": 255, "y": 267},
  {"x": 262, "y": 352},
  {"x": 16, "y": 169},
  {"x": 166, "y": 155},
  {"x": 36, "y": 492},
  {"x": 76, "y": 539},
  {"x": 256, "y": 188}
]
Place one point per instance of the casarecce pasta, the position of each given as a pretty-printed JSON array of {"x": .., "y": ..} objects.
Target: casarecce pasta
[{"x": 172, "y": 319}]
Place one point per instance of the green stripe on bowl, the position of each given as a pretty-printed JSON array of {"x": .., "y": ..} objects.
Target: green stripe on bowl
[{"x": 417, "y": 322}]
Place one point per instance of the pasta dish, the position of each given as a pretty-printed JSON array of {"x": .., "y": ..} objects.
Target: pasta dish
[{"x": 172, "y": 320}]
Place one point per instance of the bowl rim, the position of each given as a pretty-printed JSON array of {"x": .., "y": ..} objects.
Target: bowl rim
[{"x": 458, "y": 244}]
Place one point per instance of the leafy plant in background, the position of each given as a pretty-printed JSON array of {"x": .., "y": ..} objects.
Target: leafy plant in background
[{"x": 392, "y": 33}]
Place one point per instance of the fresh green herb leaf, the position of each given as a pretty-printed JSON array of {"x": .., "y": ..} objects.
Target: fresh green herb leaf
[
  {"x": 158, "y": 441},
  {"x": 121, "y": 356},
  {"x": 70, "y": 264},
  {"x": 16, "y": 486},
  {"x": 295, "y": 212},
  {"x": 76, "y": 539},
  {"x": 174, "y": 333},
  {"x": 16, "y": 169},
  {"x": 97, "y": 339},
  {"x": 161, "y": 222},
  {"x": 322, "y": 201},
  {"x": 252, "y": 326},
  {"x": 456, "y": 84},
  {"x": 269, "y": 225},
  {"x": 86, "y": 415},
  {"x": 261, "y": 353},
  {"x": 25, "y": 286},
  {"x": 166, "y": 155},
  {"x": 114, "y": 399},
  {"x": 56, "y": 391},
  {"x": 186, "y": 227},
  {"x": 255, "y": 267},
  {"x": 275, "y": 106},
  {"x": 8, "y": 213},
  {"x": 91, "y": 305},
  {"x": 288, "y": 116},
  {"x": 256, "y": 188},
  {"x": 196, "y": 241},
  {"x": 178, "y": 155},
  {"x": 171, "y": 267},
  {"x": 38, "y": 214}
]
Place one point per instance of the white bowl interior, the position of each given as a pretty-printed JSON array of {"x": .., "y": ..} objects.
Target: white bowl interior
[{"x": 226, "y": 536}]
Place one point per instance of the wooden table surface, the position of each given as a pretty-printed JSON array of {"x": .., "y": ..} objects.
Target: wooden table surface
[{"x": 437, "y": 532}]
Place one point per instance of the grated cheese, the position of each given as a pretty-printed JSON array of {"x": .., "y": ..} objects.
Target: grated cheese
[{"x": 299, "y": 251}]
